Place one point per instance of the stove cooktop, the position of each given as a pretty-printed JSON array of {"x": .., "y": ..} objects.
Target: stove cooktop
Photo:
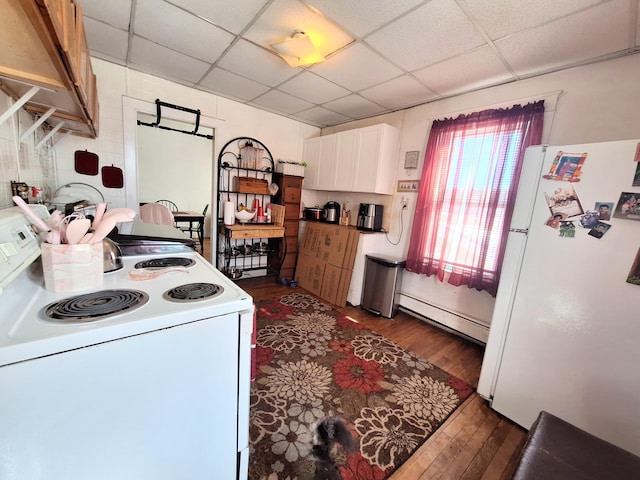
[
  {"x": 27, "y": 332},
  {"x": 94, "y": 306}
]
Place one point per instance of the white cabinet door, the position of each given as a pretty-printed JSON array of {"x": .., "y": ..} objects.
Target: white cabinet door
[
  {"x": 327, "y": 162},
  {"x": 346, "y": 159},
  {"x": 320, "y": 155},
  {"x": 376, "y": 160},
  {"x": 311, "y": 155},
  {"x": 358, "y": 160},
  {"x": 366, "y": 173}
]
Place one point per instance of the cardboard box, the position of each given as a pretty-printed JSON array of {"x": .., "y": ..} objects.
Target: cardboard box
[
  {"x": 335, "y": 285},
  {"x": 325, "y": 262},
  {"x": 310, "y": 273},
  {"x": 330, "y": 283},
  {"x": 333, "y": 244},
  {"x": 343, "y": 287}
]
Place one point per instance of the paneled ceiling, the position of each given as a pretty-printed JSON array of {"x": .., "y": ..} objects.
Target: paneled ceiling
[{"x": 381, "y": 55}]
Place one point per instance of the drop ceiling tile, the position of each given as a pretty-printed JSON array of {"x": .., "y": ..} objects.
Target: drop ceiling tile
[
  {"x": 165, "y": 63},
  {"x": 320, "y": 116},
  {"x": 255, "y": 63},
  {"x": 356, "y": 67},
  {"x": 499, "y": 19},
  {"x": 284, "y": 17},
  {"x": 355, "y": 106},
  {"x": 469, "y": 71},
  {"x": 431, "y": 33},
  {"x": 282, "y": 102},
  {"x": 313, "y": 88},
  {"x": 357, "y": 16},
  {"x": 230, "y": 15},
  {"x": 106, "y": 40},
  {"x": 172, "y": 27},
  {"x": 404, "y": 91},
  {"x": 231, "y": 85},
  {"x": 116, "y": 13},
  {"x": 569, "y": 40}
]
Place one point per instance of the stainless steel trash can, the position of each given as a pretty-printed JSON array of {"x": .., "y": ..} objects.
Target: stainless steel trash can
[{"x": 381, "y": 288}]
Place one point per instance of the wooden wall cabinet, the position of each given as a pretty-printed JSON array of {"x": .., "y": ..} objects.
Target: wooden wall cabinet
[
  {"x": 359, "y": 160},
  {"x": 43, "y": 44},
  {"x": 288, "y": 195}
]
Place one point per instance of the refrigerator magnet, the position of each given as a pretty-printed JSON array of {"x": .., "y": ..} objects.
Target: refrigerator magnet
[
  {"x": 566, "y": 167},
  {"x": 599, "y": 230},
  {"x": 564, "y": 201}
]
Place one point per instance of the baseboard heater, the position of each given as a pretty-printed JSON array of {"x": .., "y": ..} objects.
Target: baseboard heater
[{"x": 443, "y": 318}]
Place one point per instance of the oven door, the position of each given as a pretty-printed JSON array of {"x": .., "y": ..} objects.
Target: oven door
[{"x": 160, "y": 405}]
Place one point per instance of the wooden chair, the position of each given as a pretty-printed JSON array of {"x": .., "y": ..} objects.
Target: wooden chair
[
  {"x": 156, "y": 213},
  {"x": 169, "y": 204},
  {"x": 198, "y": 228}
]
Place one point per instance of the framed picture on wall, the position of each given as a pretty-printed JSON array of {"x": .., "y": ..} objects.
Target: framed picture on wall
[{"x": 411, "y": 160}]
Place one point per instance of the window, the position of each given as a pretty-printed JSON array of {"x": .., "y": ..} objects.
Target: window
[{"x": 466, "y": 195}]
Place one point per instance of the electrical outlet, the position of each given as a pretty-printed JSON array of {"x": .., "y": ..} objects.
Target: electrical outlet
[{"x": 404, "y": 200}]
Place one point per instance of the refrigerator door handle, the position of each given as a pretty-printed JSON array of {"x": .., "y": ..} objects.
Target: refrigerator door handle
[{"x": 519, "y": 230}]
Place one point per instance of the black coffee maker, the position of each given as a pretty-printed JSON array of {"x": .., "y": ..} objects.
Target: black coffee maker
[{"x": 370, "y": 217}]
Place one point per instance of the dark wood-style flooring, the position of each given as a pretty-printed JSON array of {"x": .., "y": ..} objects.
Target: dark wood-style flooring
[{"x": 475, "y": 442}]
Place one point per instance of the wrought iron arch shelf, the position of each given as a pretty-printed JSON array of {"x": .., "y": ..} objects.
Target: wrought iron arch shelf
[{"x": 244, "y": 247}]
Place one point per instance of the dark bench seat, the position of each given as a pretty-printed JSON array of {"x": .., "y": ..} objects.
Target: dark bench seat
[{"x": 558, "y": 450}]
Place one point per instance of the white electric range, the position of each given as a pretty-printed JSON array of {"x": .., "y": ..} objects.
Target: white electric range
[{"x": 157, "y": 390}]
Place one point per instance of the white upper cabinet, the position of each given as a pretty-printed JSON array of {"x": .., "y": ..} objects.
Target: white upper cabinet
[
  {"x": 359, "y": 160},
  {"x": 320, "y": 154},
  {"x": 346, "y": 160}
]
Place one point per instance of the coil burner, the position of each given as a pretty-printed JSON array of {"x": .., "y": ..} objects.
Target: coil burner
[
  {"x": 192, "y": 292},
  {"x": 94, "y": 306},
  {"x": 166, "y": 262}
]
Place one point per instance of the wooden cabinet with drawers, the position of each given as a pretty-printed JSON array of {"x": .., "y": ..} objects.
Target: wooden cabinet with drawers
[{"x": 289, "y": 193}]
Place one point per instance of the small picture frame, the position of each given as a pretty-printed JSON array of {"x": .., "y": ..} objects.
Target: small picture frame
[
  {"x": 628, "y": 206},
  {"x": 604, "y": 209},
  {"x": 636, "y": 176},
  {"x": 566, "y": 167},
  {"x": 634, "y": 273},
  {"x": 599, "y": 230},
  {"x": 565, "y": 202},
  {"x": 408, "y": 185},
  {"x": 411, "y": 160}
]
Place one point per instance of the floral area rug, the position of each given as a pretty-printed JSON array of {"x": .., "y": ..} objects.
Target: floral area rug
[{"x": 312, "y": 362}]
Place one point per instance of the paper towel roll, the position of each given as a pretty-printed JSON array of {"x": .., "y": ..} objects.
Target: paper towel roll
[{"x": 228, "y": 213}]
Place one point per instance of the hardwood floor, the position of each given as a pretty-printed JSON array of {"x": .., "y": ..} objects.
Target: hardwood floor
[{"x": 475, "y": 442}]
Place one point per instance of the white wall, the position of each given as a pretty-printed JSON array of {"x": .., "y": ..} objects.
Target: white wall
[
  {"x": 595, "y": 103},
  {"x": 281, "y": 135},
  {"x": 22, "y": 162}
]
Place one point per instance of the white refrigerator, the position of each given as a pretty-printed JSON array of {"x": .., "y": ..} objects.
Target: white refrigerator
[{"x": 565, "y": 332}]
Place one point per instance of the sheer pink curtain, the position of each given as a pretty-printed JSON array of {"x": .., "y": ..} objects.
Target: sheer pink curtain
[{"x": 465, "y": 201}]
